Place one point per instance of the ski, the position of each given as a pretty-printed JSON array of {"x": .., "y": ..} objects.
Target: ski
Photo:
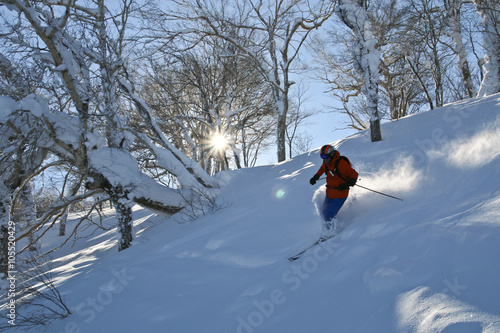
[{"x": 298, "y": 255}]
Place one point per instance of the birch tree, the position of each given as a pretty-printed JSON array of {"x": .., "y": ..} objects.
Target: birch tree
[
  {"x": 69, "y": 190},
  {"x": 29, "y": 212},
  {"x": 453, "y": 20},
  {"x": 490, "y": 13},
  {"x": 366, "y": 56},
  {"x": 20, "y": 160}
]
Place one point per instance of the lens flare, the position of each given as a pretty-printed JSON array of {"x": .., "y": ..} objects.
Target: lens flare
[{"x": 279, "y": 192}]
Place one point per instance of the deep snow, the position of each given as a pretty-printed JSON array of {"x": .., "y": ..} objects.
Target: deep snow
[{"x": 427, "y": 264}]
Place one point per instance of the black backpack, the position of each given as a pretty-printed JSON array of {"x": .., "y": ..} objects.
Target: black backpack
[{"x": 336, "y": 167}]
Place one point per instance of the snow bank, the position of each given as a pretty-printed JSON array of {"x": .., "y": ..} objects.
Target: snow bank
[{"x": 422, "y": 310}]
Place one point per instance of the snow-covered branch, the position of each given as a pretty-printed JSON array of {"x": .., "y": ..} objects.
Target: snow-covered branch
[{"x": 188, "y": 172}]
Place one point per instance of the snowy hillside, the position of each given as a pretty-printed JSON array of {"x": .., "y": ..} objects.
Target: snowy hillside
[{"x": 426, "y": 264}]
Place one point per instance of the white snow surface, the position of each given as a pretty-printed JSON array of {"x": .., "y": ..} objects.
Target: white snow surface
[{"x": 425, "y": 264}]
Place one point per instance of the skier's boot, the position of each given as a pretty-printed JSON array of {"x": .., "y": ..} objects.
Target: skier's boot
[{"x": 328, "y": 230}]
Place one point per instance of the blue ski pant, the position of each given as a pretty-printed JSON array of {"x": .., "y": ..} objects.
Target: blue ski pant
[{"x": 331, "y": 207}]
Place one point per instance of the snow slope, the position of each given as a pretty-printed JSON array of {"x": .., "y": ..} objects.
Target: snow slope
[{"x": 425, "y": 264}]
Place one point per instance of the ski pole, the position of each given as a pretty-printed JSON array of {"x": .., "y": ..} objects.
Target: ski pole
[
  {"x": 387, "y": 195},
  {"x": 369, "y": 189}
]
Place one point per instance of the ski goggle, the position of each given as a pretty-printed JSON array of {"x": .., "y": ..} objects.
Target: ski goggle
[{"x": 325, "y": 156}]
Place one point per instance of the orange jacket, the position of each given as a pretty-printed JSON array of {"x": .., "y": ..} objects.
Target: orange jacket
[{"x": 332, "y": 180}]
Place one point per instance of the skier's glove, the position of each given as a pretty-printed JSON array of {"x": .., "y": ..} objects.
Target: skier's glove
[
  {"x": 313, "y": 180},
  {"x": 342, "y": 187},
  {"x": 351, "y": 182}
]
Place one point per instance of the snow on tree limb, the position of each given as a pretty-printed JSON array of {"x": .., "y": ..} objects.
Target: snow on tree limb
[
  {"x": 121, "y": 169},
  {"x": 170, "y": 157}
]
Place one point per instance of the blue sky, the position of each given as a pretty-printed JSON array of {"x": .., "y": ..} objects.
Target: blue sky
[{"x": 325, "y": 127}]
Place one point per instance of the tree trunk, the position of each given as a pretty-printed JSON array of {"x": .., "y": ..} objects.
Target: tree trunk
[
  {"x": 371, "y": 83},
  {"x": 124, "y": 213},
  {"x": 454, "y": 22},
  {"x": 463, "y": 66},
  {"x": 490, "y": 11},
  {"x": 366, "y": 57},
  {"x": 73, "y": 190},
  {"x": 29, "y": 211},
  {"x": 123, "y": 209},
  {"x": 237, "y": 159},
  {"x": 62, "y": 222},
  {"x": 281, "y": 138}
]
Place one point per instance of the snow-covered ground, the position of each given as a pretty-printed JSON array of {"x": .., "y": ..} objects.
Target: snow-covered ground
[{"x": 429, "y": 263}]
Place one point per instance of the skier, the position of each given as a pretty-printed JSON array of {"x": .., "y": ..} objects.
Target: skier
[{"x": 339, "y": 177}]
